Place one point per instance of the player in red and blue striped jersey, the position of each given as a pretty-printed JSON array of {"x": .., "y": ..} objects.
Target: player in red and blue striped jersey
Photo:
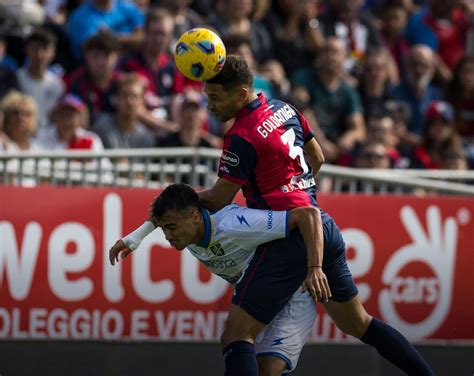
[{"x": 271, "y": 154}]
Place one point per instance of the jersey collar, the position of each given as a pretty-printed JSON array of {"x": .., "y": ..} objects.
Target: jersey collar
[
  {"x": 206, "y": 239},
  {"x": 259, "y": 101}
]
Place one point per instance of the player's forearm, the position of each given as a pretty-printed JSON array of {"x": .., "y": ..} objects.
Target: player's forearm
[
  {"x": 221, "y": 194},
  {"x": 314, "y": 155},
  {"x": 134, "y": 239},
  {"x": 309, "y": 223}
]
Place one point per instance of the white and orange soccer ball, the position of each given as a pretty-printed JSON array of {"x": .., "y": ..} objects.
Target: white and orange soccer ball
[{"x": 199, "y": 54}]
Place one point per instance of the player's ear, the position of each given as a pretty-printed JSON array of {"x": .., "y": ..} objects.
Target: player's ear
[
  {"x": 243, "y": 93},
  {"x": 195, "y": 216}
]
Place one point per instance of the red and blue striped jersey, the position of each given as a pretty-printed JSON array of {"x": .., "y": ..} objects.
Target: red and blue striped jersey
[{"x": 263, "y": 152}]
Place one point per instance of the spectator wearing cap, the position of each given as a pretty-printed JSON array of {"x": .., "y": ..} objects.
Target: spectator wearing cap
[
  {"x": 95, "y": 80},
  {"x": 439, "y": 137},
  {"x": 121, "y": 18},
  {"x": 123, "y": 129},
  {"x": 35, "y": 79},
  {"x": 66, "y": 131},
  {"x": 20, "y": 122},
  {"x": 417, "y": 89}
]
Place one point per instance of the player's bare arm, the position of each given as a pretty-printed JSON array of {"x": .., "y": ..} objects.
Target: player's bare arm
[
  {"x": 308, "y": 221},
  {"x": 221, "y": 194},
  {"x": 314, "y": 155}
]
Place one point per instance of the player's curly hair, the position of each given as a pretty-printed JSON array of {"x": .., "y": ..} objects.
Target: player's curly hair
[
  {"x": 235, "y": 72},
  {"x": 175, "y": 197}
]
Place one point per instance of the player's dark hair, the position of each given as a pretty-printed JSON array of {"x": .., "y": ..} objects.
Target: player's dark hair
[
  {"x": 175, "y": 197},
  {"x": 235, "y": 72}
]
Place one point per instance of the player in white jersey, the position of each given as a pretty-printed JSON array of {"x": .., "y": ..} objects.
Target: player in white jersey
[{"x": 225, "y": 242}]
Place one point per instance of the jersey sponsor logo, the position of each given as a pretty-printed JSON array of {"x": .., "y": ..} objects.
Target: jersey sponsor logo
[
  {"x": 300, "y": 184},
  {"x": 217, "y": 249},
  {"x": 230, "y": 158},
  {"x": 224, "y": 169},
  {"x": 270, "y": 219},
  {"x": 219, "y": 264},
  {"x": 242, "y": 220},
  {"x": 274, "y": 121},
  {"x": 232, "y": 280}
]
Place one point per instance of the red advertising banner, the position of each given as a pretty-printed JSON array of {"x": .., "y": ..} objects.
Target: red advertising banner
[{"x": 411, "y": 258}]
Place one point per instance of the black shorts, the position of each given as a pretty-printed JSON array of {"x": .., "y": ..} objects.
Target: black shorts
[{"x": 279, "y": 268}]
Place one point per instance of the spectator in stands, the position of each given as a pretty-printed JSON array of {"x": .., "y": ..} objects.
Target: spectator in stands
[
  {"x": 336, "y": 104},
  {"x": 155, "y": 65},
  {"x": 120, "y": 17},
  {"x": 19, "y": 121},
  {"x": 233, "y": 17},
  {"x": 460, "y": 93},
  {"x": 5, "y": 59},
  {"x": 184, "y": 17},
  {"x": 95, "y": 81},
  {"x": 373, "y": 154},
  {"x": 35, "y": 79},
  {"x": 442, "y": 26},
  {"x": 296, "y": 35},
  {"x": 123, "y": 128},
  {"x": 394, "y": 18},
  {"x": 455, "y": 160},
  {"x": 193, "y": 114},
  {"x": 374, "y": 83},
  {"x": 345, "y": 20},
  {"x": 240, "y": 45},
  {"x": 416, "y": 90},
  {"x": 8, "y": 81},
  {"x": 439, "y": 137},
  {"x": 66, "y": 131}
]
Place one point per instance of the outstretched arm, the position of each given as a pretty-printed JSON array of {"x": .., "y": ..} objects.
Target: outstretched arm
[{"x": 308, "y": 221}]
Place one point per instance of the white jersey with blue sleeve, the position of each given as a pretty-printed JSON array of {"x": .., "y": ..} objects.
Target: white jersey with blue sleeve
[{"x": 232, "y": 236}]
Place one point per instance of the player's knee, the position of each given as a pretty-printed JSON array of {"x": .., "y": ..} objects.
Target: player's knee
[
  {"x": 270, "y": 366},
  {"x": 355, "y": 326}
]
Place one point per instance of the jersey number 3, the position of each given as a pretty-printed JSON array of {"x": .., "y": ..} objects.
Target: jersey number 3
[{"x": 289, "y": 138}]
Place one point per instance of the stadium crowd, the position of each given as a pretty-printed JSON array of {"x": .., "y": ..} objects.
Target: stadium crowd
[{"x": 384, "y": 83}]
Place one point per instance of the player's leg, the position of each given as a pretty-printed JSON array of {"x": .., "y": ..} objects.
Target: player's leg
[
  {"x": 272, "y": 277},
  {"x": 271, "y": 365},
  {"x": 347, "y": 311},
  {"x": 351, "y": 318},
  {"x": 238, "y": 342},
  {"x": 280, "y": 344}
]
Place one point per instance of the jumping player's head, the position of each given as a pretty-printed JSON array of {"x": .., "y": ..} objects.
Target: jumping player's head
[
  {"x": 231, "y": 89},
  {"x": 176, "y": 211}
]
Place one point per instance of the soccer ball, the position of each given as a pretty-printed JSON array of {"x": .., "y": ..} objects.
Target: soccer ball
[{"x": 199, "y": 54}]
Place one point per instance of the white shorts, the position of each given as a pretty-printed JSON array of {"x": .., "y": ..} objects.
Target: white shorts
[{"x": 286, "y": 335}]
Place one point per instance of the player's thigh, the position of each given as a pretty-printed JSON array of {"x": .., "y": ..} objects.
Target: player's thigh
[
  {"x": 350, "y": 317},
  {"x": 286, "y": 335},
  {"x": 240, "y": 326},
  {"x": 270, "y": 365}
]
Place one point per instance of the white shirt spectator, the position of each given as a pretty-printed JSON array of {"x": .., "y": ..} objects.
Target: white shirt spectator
[{"x": 45, "y": 92}]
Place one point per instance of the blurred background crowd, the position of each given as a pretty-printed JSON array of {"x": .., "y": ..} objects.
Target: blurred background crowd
[{"x": 384, "y": 83}]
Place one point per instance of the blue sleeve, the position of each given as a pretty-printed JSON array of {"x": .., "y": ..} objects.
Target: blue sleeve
[
  {"x": 417, "y": 32},
  {"x": 135, "y": 16}
]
